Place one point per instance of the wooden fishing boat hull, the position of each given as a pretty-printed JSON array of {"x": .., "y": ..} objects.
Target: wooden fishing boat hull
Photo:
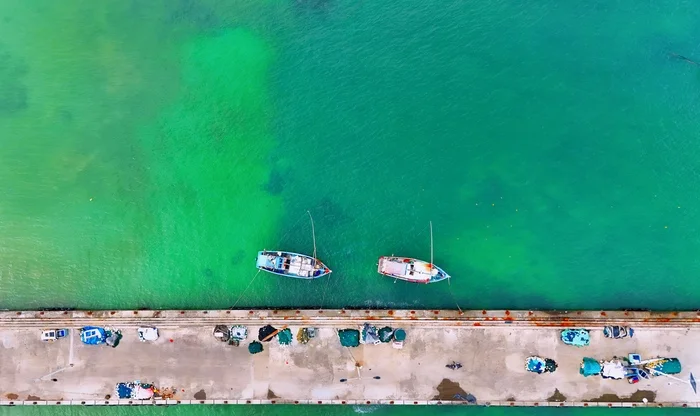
[
  {"x": 410, "y": 270},
  {"x": 288, "y": 264}
]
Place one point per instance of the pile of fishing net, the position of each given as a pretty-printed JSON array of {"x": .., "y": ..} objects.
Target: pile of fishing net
[
  {"x": 255, "y": 347},
  {"x": 386, "y": 334},
  {"x": 285, "y": 336},
  {"x": 349, "y": 337},
  {"x": 265, "y": 332}
]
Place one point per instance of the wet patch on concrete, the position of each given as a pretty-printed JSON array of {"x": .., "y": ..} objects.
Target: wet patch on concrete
[
  {"x": 271, "y": 395},
  {"x": 12, "y": 396},
  {"x": 511, "y": 399},
  {"x": 410, "y": 385},
  {"x": 419, "y": 348},
  {"x": 636, "y": 397},
  {"x": 556, "y": 397},
  {"x": 447, "y": 389},
  {"x": 31, "y": 398},
  {"x": 200, "y": 395}
]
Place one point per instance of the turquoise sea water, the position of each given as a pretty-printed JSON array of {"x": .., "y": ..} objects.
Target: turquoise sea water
[{"x": 149, "y": 150}]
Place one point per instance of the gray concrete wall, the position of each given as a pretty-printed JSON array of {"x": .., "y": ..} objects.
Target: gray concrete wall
[{"x": 492, "y": 346}]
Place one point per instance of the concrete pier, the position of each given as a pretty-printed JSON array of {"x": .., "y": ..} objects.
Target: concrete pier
[{"x": 198, "y": 369}]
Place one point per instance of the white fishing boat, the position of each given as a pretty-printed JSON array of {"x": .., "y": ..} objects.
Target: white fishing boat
[{"x": 410, "y": 269}]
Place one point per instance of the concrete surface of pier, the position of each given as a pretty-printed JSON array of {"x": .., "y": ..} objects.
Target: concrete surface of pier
[{"x": 491, "y": 345}]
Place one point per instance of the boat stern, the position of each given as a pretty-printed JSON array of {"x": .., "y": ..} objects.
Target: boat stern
[
  {"x": 380, "y": 265},
  {"x": 263, "y": 261}
]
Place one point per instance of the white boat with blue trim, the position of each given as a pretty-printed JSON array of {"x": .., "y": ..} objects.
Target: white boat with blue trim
[{"x": 285, "y": 263}]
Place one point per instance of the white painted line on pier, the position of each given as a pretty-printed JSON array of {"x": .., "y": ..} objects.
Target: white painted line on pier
[
  {"x": 70, "y": 352},
  {"x": 51, "y": 373}
]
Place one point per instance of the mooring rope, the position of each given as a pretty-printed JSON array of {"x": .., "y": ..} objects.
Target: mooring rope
[
  {"x": 276, "y": 248},
  {"x": 454, "y": 298},
  {"x": 246, "y": 289},
  {"x": 288, "y": 231},
  {"x": 325, "y": 290}
]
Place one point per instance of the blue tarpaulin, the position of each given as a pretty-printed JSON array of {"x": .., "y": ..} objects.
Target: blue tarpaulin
[
  {"x": 589, "y": 367},
  {"x": 370, "y": 334},
  {"x": 576, "y": 337},
  {"x": 135, "y": 390},
  {"x": 540, "y": 365},
  {"x": 92, "y": 335},
  {"x": 123, "y": 391},
  {"x": 535, "y": 365}
]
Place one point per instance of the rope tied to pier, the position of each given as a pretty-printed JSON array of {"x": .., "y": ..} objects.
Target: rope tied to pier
[
  {"x": 325, "y": 290},
  {"x": 454, "y": 298},
  {"x": 246, "y": 289},
  {"x": 279, "y": 242}
]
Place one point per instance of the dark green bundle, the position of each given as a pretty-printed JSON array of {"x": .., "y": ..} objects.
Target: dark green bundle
[{"x": 255, "y": 347}]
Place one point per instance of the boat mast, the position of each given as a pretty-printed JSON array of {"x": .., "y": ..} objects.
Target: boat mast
[
  {"x": 313, "y": 233},
  {"x": 431, "y": 248},
  {"x": 431, "y": 253}
]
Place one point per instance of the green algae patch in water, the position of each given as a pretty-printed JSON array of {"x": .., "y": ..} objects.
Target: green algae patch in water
[{"x": 208, "y": 166}]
